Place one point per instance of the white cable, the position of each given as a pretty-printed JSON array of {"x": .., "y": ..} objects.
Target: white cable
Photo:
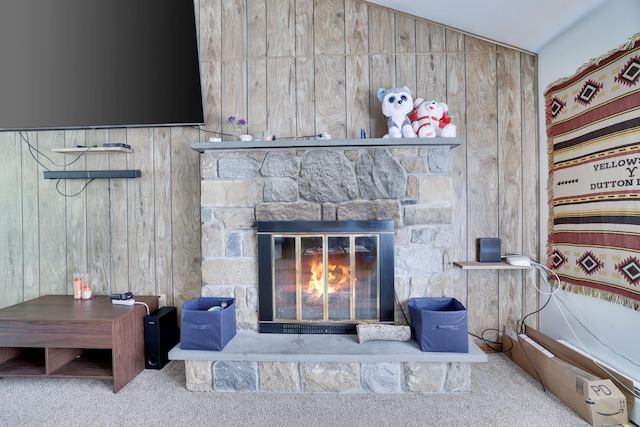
[
  {"x": 544, "y": 269},
  {"x": 142, "y": 303}
]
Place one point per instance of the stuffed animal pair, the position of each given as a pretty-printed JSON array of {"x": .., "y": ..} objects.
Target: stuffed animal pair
[{"x": 409, "y": 119}]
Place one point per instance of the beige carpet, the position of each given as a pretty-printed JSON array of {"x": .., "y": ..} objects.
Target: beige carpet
[{"x": 502, "y": 395}]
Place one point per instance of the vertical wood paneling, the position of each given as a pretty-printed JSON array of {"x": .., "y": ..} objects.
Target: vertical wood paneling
[
  {"x": 456, "y": 98},
  {"x": 482, "y": 176},
  {"x": 358, "y": 96},
  {"x": 509, "y": 180},
  {"x": 31, "y": 177},
  {"x": 530, "y": 178},
  {"x": 76, "y": 211},
  {"x": 163, "y": 191},
  {"x": 11, "y": 243},
  {"x": 185, "y": 218},
  {"x": 257, "y": 66},
  {"x": 141, "y": 218},
  {"x": 51, "y": 208},
  {"x": 382, "y": 66},
  {"x": 100, "y": 260},
  {"x": 117, "y": 204},
  {"x": 330, "y": 68},
  {"x": 305, "y": 111},
  {"x": 431, "y": 69},
  {"x": 405, "y": 42},
  {"x": 297, "y": 68}
]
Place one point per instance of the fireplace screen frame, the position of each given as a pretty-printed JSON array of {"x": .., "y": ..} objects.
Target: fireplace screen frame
[{"x": 383, "y": 229}]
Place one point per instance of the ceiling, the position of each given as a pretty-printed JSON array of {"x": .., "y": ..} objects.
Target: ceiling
[{"x": 525, "y": 24}]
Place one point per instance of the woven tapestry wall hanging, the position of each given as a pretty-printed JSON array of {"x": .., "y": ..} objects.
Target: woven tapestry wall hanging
[{"x": 593, "y": 133}]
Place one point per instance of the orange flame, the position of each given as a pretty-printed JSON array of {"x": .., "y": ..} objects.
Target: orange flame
[{"x": 338, "y": 278}]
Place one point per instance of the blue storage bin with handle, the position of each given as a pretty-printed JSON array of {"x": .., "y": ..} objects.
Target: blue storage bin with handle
[
  {"x": 207, "y": 323},
  {"x": 439, "y": 324}
]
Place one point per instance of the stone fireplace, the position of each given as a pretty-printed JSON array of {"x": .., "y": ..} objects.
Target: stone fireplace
[
  {"x": 407, "y": 182},
  {"x": 247, "y": 186}
]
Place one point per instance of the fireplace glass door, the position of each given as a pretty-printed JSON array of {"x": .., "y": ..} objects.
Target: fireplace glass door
[{"x": 323, "y": 281}]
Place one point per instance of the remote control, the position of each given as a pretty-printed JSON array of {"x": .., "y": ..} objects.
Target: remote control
[{"x": 123, "y": 296}]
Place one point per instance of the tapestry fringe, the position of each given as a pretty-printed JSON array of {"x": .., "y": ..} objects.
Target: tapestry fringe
[
  {"x": 595, "y": 61},
  {"x": 600, "y": 294}
]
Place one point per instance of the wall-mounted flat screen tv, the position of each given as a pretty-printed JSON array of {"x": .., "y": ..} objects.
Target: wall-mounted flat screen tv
[{"x": 68, "y": 64}]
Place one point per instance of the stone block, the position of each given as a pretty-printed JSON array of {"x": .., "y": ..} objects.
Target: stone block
[
  {"x": 225, "y": 271},
  {"x": 208, "y": 166},
  {"x": 281, "y": 164},
  {"x": 249, "y": 244},
  {"x": 369, "y": 210},
  {"x": 233, "y": 245},
  {"x": 381, "y": 377},
  {"x": 414, "y": 164},
  {"x": 424, "y": 377},
  {"x": 436, "y": 189},
  {"x": 239, "y": 167},
  {"x": 279, "y": 377},
  {"x": 212, "y": 240},
  {"x": 301, "y": 211},
  {"x": 330, "y": 377},
  {"x": 439, "y": 160},
  {"x": 234, "y": 376},
  {"x": 237, "y": 219},
  {"x": 280, "y": 190},
  {"x": 198, "y": 375},
  {"x": 327, "y": 176},
  {"x": 411, "y": 260},
  {"x": 458, "y": 378},
  {"x": 247, "y": 320},
  {"x": 421, "y": 215},
  {"x": 380, "y": 176}
]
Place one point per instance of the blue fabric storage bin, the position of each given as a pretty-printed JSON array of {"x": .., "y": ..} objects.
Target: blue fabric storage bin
[
  {"x": 439, "y": 324},
  {"x": 207, "y": 330}
]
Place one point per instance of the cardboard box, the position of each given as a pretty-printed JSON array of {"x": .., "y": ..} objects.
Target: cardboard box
[
  {"x": 207, "y": 323},
  {"x": 439, "y": 324},
  {"x": 561, "y": 371}
]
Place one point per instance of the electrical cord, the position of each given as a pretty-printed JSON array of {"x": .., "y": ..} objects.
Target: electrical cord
[
  {"x": 142, "y": 303},
  {"x": 553, "y": 294}
]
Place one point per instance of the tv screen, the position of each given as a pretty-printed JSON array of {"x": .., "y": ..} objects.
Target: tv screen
[{"x": 98, "y": 63}]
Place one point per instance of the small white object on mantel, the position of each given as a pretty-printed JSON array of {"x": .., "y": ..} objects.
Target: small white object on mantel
[{"x": 381, "y": 332}]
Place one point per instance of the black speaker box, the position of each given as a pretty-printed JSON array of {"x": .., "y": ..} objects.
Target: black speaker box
[
  {"x": 160, "y": 336},
  {"x": 489, "y": 250}
]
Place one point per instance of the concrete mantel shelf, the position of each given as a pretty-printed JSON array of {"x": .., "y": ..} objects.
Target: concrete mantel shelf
[{"x": 327, "y": 143}]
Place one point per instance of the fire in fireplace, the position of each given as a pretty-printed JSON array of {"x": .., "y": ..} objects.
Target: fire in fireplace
[{"x": 324, "y": 277}]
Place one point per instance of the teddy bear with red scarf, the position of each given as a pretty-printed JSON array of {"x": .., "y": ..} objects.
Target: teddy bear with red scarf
[{"x": 429, "y": 119}]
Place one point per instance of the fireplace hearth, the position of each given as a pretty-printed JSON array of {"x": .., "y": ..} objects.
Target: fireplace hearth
[{"x": 324, "y": 277}]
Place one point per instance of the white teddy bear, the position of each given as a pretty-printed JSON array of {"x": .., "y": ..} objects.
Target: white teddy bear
[
  {"x": 397, "y": 103},
  {"x": 429, "y": 119}
]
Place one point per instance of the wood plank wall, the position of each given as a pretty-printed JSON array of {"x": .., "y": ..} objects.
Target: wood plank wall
[{"x": 296, "y": 68}]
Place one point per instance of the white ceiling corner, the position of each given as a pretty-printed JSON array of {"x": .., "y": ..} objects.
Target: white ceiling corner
[{"x": 524, "y": 24}]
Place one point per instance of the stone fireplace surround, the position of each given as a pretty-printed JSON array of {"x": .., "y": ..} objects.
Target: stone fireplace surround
[{"x": 404, "y": 180}]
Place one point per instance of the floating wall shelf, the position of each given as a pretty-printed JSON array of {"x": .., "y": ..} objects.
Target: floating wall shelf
[
  {"x": 92, "y": 174},
  {"x": 474, "y": 265},
  {"x": 92, "y": 150}
]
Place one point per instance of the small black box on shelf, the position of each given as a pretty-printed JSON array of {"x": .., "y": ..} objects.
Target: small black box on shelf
[{"x": 489, "y": 249}]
